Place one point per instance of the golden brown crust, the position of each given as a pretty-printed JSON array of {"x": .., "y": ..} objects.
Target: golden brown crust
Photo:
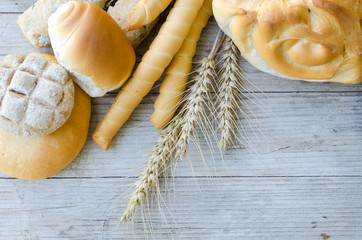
[
  {"x": 90, "y": 44},
  {"x": 177, "y": 73},
  {"x": 33, "y": 158},
  {"x": 316, "y": 40}
]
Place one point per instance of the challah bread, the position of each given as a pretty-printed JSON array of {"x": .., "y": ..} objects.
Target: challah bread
[
  {"x": 314, "y": 40},
  {"x": 41, "y": 157},
  {"x": 36, "y": 94},
  {"x": 91, "y": 46},
  {"x": 34, "y": 21}
]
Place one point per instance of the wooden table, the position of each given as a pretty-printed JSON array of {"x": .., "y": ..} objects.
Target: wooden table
[{"x": 300, "y": 178}]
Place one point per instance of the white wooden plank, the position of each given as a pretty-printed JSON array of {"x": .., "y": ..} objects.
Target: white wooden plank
[
  {"x": 305, "y": 136},
  {"x": 222, "y": 208},
  {"x": 15, "y": 6},
  {"x": 11, "y": 38},
  {"x": 323, "y": 141}
]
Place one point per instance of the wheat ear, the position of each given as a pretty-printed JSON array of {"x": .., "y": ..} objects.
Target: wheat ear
[
  {"x": 156, "y": 164},
  {"x": 231, "y": 81},
  {"x": 198, "y": 100},
  {"x": 173, "y": 141}
]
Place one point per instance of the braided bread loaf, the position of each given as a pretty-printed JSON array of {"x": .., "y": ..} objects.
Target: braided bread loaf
[{"x": 314, "y": 40}]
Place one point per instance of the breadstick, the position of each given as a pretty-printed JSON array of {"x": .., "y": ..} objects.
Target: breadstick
[
  {"x": 144, "y": 12},
  {"x": 177, "y": 73},
  {"x": 167, "y": 43}
]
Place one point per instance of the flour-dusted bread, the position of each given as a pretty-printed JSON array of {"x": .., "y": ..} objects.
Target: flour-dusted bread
[
  {"x": 33, "y": 158},
  {"x": 34, "y": 21},
  {"x": 36, "y": 94},
  {"x": 315, "y": 40},
  {"x": 119, "y": 13},
  {"x": 91, "y": 46}
]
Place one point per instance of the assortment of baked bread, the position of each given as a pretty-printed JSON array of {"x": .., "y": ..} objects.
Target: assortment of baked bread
[{"x": 44, "y": 117}]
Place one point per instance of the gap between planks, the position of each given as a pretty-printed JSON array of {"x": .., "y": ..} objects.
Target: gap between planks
[{"x": 195, "y": 177}]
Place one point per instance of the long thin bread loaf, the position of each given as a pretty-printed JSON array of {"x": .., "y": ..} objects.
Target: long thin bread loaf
[
  {"x": 156, "y": 59},
  {"x": 177, "y": 73}
]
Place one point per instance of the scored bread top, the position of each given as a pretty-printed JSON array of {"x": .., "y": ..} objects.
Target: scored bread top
[{"x": 36, "y": 94}]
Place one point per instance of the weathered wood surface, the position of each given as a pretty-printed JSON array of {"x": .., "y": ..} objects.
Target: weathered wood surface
[
  {"x": 224, "y": 208},
  {"x": 299, "y": 178}
]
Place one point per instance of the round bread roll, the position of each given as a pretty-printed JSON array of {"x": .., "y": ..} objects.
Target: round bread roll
[
  {"x": 91, "y": 46},
  {"x": 32, "y": 158},
  {"x": 36, "y": 94},
  {"x": 316, "y": 40}
]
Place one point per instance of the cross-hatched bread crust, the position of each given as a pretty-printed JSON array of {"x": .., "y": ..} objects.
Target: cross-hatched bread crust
[
  {"x": 36, "y": 94},
  {"x": 33, "y": 158}
]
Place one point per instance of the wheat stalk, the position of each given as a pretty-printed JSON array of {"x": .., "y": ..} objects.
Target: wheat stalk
[
  {"x": 174, "y": 139},
  {"x": 156, "y": 164},
  {"x": 196, "y": 103},
  {"x": 231, "y": 79},
  {"x": 198, "y": 100}
]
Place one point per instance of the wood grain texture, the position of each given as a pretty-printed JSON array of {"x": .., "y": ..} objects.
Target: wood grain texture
[
  {"x": 15, "y": 6},
  {"x": 321, "y": 135},
  {"x": 223, "y": 208},
  {"x": 300, "y": 176}
]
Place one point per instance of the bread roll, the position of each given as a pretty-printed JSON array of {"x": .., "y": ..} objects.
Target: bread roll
[
  {"x": 316, "y": 40},
  {"x": 36, "y": 94},
  {"x": 34, "y": 21},
  {"x": 91, "y": 46},
  {"x": 119, "y": 13},
  {"x": 33, "y": 158}
]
